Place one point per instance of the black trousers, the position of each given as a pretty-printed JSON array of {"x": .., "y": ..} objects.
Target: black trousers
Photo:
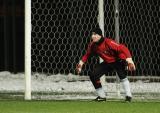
[{"x": 103, "y": 68}]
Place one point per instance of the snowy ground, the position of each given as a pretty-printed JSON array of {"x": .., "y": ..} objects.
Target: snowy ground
[{"x": 68, "y": 86}]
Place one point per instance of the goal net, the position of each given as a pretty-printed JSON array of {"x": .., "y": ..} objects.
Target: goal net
[{"x": 61, "y": 30}]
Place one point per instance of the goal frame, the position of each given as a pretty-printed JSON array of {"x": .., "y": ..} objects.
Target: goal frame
[{"x": 27, "y": 50}]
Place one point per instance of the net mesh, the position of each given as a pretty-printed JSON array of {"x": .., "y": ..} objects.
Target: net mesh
[
  {"x": 61, "y": 31},
  {"x": 139, "y": 22}
]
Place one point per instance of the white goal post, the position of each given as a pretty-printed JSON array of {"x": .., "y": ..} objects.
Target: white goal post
[{"x": 27, "y": 49}]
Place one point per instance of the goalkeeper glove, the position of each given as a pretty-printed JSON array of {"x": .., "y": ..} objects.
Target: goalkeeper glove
[
  {"x": 79, "y": 66},
  {"x": 130, "y": 64}
]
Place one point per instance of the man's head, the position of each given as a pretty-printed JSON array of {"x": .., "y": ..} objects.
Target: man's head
[{"x": 96, "y": 34}]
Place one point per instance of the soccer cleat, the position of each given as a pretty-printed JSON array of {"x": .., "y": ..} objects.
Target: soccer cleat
[
  {"x": 99, "y": 99},
  {"x": 128, "y": 99}
]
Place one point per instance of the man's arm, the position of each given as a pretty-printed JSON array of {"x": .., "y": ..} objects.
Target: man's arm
[
  {"x": 124, "y": 53},
  {"x": 84, "y": 59}
]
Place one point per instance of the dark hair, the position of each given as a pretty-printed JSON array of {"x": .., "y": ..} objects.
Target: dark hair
[{"x": 97, "y": 31}]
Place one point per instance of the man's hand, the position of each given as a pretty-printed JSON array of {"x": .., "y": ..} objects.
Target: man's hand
[
  {"x": 130, "y": 66},
  {"x": 79, "y": 66}
]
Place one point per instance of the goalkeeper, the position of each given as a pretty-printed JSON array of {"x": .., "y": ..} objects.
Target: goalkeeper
[{"x": 116, "y": 57}]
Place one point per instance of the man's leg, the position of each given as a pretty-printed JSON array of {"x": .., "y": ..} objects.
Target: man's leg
[
  {"x": 95, "y": 78},
  {"x": 120, "y": 67},
  {"x": 126, "y": 86}
]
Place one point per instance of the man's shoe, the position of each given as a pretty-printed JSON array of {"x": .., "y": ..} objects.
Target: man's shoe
[
  {"x": 99, "y": 99},
  {"x": 128, "y": 99}
]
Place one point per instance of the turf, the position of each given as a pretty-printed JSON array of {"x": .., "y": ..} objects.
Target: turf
[{"x": 14, "y": 106}]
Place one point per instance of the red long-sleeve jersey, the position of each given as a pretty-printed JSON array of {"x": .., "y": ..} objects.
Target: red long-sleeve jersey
[{"x": 108, "y": 50}]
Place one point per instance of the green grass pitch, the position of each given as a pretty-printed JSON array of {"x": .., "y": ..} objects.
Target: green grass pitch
[{"x": 20, "y": 106}]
